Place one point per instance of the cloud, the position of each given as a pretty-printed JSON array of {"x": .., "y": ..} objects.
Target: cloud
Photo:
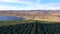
[
  {"x": 18, "y": 1},
  {"x": 31, "y": 5},
  {"x": 51, "y": 6},
  {"x": 16, "y": 8},
  {"x": 8, "y": 0},
  {"x": 7, "y": 7}
]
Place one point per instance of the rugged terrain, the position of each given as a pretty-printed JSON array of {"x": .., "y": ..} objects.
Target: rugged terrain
[{"x": 46, "y": 15}]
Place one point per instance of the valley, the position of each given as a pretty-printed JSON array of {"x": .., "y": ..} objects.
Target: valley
[{"x": 45, "y": 15}]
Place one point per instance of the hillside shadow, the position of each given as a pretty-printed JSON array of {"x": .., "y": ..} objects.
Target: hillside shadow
[{"x": 31, "y": 28}]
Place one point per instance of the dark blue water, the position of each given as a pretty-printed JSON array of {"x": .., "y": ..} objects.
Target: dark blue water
[{"x": 11, "y": 18}]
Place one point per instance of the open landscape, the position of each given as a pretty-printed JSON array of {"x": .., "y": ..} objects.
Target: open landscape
[
  {"x": 29, "y": 27},
  {"x": 29, "y": 16},
  {"x": 46, "y": 15},
  {"x": 30, "y": 22}
]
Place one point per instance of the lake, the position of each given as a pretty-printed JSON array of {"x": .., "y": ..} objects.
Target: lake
[{"x": 11, "y": 18}]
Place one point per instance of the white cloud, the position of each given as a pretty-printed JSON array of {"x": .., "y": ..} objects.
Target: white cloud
[
  {"x": 15, "y": 8},
  {"x": 33, "y": 5},
  {"x": 6, "y": 8},
  {"x": 52, "y": 6},
  {"x": 8, "y": 0},
  {"x": 18, "y": 1},
  {"x": 47, "y": 6},
  {"x": 9, "y": 8}
]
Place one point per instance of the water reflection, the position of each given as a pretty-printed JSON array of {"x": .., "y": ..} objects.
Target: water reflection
[{"x": 11, "y": 18}]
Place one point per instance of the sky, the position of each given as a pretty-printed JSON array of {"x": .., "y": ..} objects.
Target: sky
[{"x": 29, "y": 4}]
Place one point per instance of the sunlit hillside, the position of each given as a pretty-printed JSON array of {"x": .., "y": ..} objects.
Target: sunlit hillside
[{"x": 46, "y": 15}]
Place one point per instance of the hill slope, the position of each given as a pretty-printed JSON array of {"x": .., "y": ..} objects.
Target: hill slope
[{"x": 49, "y": 15}]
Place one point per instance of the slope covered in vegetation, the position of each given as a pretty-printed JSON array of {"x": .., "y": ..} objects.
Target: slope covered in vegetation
[{"x": 29, "y": 27}]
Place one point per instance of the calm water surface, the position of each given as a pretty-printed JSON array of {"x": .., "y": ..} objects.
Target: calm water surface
[{"x": 11, "y": 18}]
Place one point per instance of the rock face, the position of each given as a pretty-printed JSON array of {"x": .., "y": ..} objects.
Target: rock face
[{"x": 10, "y": 18}]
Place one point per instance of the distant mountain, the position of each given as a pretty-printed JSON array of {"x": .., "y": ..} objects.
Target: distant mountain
[{"x": 51, "y": 15}]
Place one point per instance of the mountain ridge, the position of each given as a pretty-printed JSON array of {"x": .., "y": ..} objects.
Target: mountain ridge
[{"x": 50, "y": 15}]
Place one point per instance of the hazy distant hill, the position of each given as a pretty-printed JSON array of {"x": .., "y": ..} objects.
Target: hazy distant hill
[{"x": 51, "y": 15}]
